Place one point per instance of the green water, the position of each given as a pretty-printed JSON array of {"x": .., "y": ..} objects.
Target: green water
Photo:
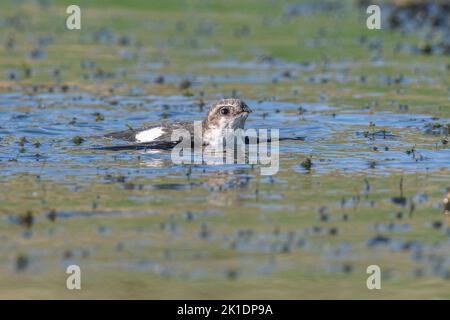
[{"x": 141, "y": 227}]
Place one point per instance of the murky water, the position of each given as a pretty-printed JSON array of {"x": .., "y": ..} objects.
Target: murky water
[
  {"x": 40, "y": 135},
  {"x": 37, "y": 131},
  {"x": 360, "y": 182}
]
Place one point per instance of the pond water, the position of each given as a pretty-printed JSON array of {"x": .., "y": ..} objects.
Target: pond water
[
  {"x": 346, "y": 140},
  {"x": 363, "y": 171}
]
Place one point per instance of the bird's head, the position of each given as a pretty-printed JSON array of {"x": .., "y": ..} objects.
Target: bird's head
[{"x": 227, "y": 114}]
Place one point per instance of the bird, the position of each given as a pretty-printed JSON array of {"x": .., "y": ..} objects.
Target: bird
[{"x": 222, "y": 118}]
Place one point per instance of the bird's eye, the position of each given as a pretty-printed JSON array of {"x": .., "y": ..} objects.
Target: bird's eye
[{"x": 224, "y": 111}]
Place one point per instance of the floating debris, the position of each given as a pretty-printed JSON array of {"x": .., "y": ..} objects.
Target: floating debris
[
  {"x": 27, "y": 220},
  {"x": 22, "y": 263},
  {"x": 98, "y": 116},
  {"x": 77, "y": 140},
  {"x": 400, "y": 200},
  {"x": 379, "y": 241},
  {"x": 307, "y": 164},
  {"x": 185, "y": 84}
]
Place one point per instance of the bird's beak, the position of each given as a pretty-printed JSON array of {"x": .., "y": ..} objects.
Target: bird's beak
[{"x": 247, "y": 110}]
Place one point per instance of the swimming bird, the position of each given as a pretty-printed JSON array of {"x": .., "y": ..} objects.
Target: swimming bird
[{"x": 222, "y": 116}]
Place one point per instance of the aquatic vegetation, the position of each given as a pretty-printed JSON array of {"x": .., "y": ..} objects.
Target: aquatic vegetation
[
  {"x": 77, "y": 140},
  {"x": 307, "y": 163}
]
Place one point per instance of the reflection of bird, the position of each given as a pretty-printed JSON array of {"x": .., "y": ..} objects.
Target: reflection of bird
[
  {"x": 223, "y": 115},
  {"x": 226, "y": 187},
  {"x": 447, "y": 204}
]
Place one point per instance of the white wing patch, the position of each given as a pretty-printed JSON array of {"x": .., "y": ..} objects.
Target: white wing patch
[{"x": 149, "y": 135}]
